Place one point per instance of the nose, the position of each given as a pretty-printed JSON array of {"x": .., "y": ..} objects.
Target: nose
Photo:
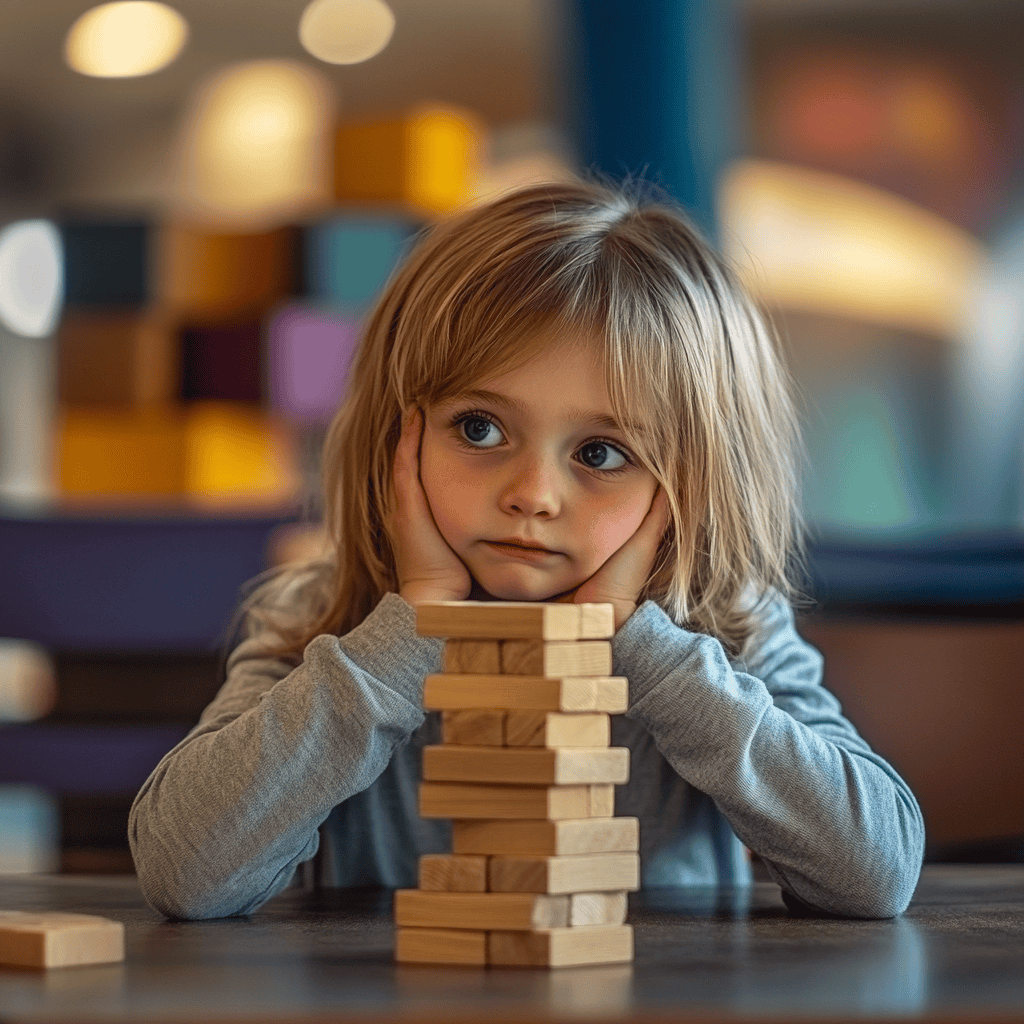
[{"x": 533, "y": 488}]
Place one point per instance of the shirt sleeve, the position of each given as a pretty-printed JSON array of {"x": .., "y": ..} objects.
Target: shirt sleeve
[
  {"x": 224, "y": 819},
  {"x": 835, "y": 825}
]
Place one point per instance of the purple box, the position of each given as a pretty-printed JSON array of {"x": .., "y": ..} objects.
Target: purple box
[{"x": 309, "y": 351}]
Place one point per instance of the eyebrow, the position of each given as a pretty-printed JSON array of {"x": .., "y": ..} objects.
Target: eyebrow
[{"x": 513, "y": 405}]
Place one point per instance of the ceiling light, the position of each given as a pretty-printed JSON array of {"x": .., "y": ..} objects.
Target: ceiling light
[
  {"x": 126, "y": 39},
  {"x": 346, "y": 31}
]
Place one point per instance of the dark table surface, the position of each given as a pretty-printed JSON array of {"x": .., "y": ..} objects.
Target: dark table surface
[{"x": 701, "y": 954}]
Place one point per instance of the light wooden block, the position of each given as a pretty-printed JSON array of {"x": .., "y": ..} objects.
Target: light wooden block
[
  {"x": 441, "y": 946},
  {"x": 498, "y": 620},
  {"x": 526, "y": 693},
  {"x": 445, "y": 872},
  {"x": 537, "y": 765},
  {"x": 557, "y": 729},
  {"x": 415, "y": 908},
  {"x": 596, "y": 872},
  {"x": 558, "y": 658},
  {"x": 476, "y": 800},
  {"x": 590, "y": 908},
  {"x": 475, "y": 657},
  {"x": 546, "y": 838},
  {"x": 60, "y": 940},
  {"x": 561, "y": 947},
  {"x": 475, "y": 728},
  {"x": 597, "y": 621},
  {"x": 602, "y": 801}
]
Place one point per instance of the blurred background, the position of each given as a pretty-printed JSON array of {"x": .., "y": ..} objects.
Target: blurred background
[{"x": 200, "y": 201}]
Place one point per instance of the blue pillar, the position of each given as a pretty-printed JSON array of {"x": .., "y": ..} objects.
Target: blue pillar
[{"x": 652, "y": 89}]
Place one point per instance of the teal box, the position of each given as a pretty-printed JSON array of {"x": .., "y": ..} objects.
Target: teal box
[{"x": 348, "y": 260}]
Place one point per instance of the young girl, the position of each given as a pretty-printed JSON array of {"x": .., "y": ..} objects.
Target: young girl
[{"x": 563, "y": 395}]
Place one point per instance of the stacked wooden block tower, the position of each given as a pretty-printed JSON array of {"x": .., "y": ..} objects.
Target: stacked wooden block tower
[{"x": 540, "y": 867}]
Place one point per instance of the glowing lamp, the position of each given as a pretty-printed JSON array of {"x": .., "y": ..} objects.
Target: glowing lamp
[
  {"x": 346, "y": 31},
  {"x": 125, "y": 40},
  {"x": 31, "y": 277},
  {"x": 255, "y": 149}
]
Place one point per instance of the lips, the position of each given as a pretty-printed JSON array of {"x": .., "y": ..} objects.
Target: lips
[{"x": 525, "y": 544}]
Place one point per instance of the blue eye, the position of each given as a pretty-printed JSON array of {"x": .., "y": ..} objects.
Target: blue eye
[
  {"x": 480, "y": 432},
  {"x": 598, "y": 455}
]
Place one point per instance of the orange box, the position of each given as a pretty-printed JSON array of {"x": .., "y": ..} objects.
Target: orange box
[
  {"x": 117, "y": 357},
  {"x": 102, "y": 452},
  {"x": 426, "y": 159},
  {"x": 201, "y": 274}
]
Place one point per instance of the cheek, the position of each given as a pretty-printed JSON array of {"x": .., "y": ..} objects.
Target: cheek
[
  {"x": 605, "y": 529},
  {"x": 449, "y": 492}
]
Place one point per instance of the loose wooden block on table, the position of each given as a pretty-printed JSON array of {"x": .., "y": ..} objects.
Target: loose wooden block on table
[
  {"x": 59, "y": 940},
  {"x": 590, "y": 908},
  {"x": 561, "y": 947},
  {"x": 481, "y": 800},
  {"x": 559, "y": 658},
  {"x": 441, "y": 946},
  {"x": 443, "y": 872},
  {"x": 609, "y": 694},
  {"x": 598, "y": 872},
  {"x": 546, "y": 838},
  {"x": 539, "y": 765},
  {"x": 498, "y": 620},
  {"x": 477, "y": 657},
  {"x": 416, "y": 908},
  {"x": 479, "y": 727},
  {"x": 557, "y": 729}
]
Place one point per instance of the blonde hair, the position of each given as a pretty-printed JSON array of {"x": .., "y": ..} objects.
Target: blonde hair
[{"x": 694, "y": 375}]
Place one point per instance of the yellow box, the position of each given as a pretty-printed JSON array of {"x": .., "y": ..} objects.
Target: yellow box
[{"x": 426, "y": 159}]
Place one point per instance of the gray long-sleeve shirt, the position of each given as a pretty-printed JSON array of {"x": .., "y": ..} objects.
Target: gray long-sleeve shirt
[{"x": 723, "y": 754}]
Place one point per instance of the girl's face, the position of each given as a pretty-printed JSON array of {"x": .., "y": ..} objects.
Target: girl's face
[{"x": 529, "y": 478}]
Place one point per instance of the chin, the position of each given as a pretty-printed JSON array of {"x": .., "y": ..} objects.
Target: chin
[{"x": 506, "y": 588}]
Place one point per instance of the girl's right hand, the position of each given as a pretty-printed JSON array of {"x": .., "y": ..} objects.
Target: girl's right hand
[{"x": 427, "y": 568}]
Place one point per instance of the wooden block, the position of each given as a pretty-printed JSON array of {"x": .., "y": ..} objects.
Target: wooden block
[
  {"x": 547, "y": 838},
  {"x": 476, "y": 728},
  {"x": 475, "y": 800},
  {"x": 498, "y": 620},
  {"x": 426, "y": 160},
  {"x": 602, "y": 801},
  {"x": 417, "y": 909},
  {"x": 595, "y": 872},
  {"x": 559, "y": 658},
  {"x": 537, "y": 765},
  {"x": 534, "y": 693},
  {"x": 475, "y": 657},
  {"x": 60, "y": 940},
  {"x": 561, "y": 947},
  {"x": 589, "y": 908},
  {"x": 440, "y": 946},
  {"x": 445, "y": 872},
  {"x": 596, "y": 621},
  {"x": 557, "y": 729}
]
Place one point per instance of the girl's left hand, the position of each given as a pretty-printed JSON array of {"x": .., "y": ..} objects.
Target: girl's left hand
[{"x": 619, "y": 581}]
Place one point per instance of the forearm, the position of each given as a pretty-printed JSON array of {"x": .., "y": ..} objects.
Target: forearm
[
  {"x": 224, "y": 819},
  {"x": 835, "y": 824}
]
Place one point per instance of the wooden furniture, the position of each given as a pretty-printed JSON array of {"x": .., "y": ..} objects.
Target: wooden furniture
[{"x": 701, "y": 954}]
